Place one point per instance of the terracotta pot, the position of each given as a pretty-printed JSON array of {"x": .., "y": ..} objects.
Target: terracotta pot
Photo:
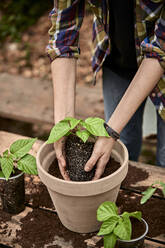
[
  {"x": 77, "y": 202},
  {"x": 12, "y": 194},
  {"x": 134, "y": 243}
]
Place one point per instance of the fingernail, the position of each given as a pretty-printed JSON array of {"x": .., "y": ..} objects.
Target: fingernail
[
  {"x": 87, "y": 169},
  {"x": 63, "y": 164}
]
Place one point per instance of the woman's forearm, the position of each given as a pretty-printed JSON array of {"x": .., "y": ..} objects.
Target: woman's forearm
[
  {"x": 147, "y": 76},
  {"x": 64, "y": 78}
]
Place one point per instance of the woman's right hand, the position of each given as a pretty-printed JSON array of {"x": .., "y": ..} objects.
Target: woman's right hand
[{"x": 59, "y": 147}]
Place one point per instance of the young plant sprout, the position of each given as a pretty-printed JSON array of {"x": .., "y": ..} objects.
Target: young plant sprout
[
  {"x": 151, "y": 190},
  {"x": 114, "y": 226},
  {"x": 17, "y": 157},
  {"x": 79, "y": 144},
  {"x": 91, "y": 127}
]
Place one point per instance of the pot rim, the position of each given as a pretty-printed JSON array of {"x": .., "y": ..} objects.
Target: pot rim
[
  {"x": 11, "y": 178},
  {"x": 141, "y": 237},
  {"x": 84, "y": 182}
]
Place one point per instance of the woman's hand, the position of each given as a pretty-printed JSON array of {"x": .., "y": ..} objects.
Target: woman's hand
[
  {"x": 100, "y": 156},
  {"x": 60, "y": 154}
]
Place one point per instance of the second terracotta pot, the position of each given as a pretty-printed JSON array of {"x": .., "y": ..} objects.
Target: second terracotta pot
[{"x": 77, "y": 202}]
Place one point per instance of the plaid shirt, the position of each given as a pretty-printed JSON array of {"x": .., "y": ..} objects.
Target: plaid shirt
[{"x": 67, "y": 17}]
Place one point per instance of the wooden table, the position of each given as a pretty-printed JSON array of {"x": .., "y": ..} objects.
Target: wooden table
[{"x": 14, "y": 230}]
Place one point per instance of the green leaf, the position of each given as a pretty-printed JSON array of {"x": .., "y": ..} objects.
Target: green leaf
[
  {"x": 137, "y": 215},
  {"x": 108, "y": 225},
  {"x": 83, "y": 124},
  {"x": 83, "y": 135},
  {"x": 110, "y": 240},
  {"x": 6, "y": 153},
  {"x": 123, "y": 230},
  {"x": 7, "y": 165},
  {"x": 28, "y": 165},
  {"x": 106, "y": 210},
  {"x": 58, "y": 131},
  {"x": 21, "y": 147},
  {"x": 147, "y": 194},
  {"x": 1, "y": 174},
  {"x": 163, "y": 187},
  {"x": 96, "y": 126},
  {"x": 72, "y": 121}
]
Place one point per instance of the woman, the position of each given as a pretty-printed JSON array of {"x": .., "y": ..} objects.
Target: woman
[{"x": 113, "y": 21}]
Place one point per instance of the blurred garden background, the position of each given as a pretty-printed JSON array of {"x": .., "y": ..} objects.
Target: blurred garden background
[{"x": 24, "y": 29}]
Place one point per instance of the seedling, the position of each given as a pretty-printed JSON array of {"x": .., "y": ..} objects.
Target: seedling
[
  {"x": 91, "y": 127},
  {"x": 114, "y": 226},
  {"x": 17, "y": 157},
  {"x": 151, "y": 190}
]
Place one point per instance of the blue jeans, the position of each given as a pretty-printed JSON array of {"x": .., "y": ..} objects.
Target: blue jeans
[{"x": 114, "y": 87}]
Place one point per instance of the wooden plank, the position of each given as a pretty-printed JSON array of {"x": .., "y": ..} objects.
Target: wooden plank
[
  {"x": 31, "y": 100},
  {"x": 150, "y": 244},
  {"x": 6, "y": 139}
]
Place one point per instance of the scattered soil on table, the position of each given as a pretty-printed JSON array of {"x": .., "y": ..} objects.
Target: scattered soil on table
[
  {"x": 152, "y": 211},
  {"x": 4, "y": 217},
  {"x": 111, "y": 167},
  {"x": 36, "y": 193},
  {"x": 134, "y": 175},
  {"x": 40, "y": 228}
]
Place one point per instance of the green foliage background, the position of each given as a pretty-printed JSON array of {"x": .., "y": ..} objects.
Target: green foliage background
[{"x": 17, "y": 15}]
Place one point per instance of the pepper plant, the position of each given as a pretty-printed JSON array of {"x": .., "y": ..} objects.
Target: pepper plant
[
  {"x": 151, "y": 190},
  {"x": 18, "y": 157},
  {"x": 90, "y": 127},
  {"x": 114, "y": 226}
]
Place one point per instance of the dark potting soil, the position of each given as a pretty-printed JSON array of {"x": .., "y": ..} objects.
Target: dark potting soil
[
  {"x": 45, "y": 228},
  {"x": 134, "y": 175},
  {"x": 36, "y": 193},
  {"x": 152, "y": 211},
  {"x": 138, "y": 228},
  {"x": 77, "y": 155},
  {"x": 111, "y": 167},
  {"x": 12, "y": 193},
  {"x": 40, "y": 227}
]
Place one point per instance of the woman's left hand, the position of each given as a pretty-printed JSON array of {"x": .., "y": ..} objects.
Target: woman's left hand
[{"x": 100, "y": 156}]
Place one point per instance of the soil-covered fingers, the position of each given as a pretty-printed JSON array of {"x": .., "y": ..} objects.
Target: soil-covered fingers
[
  {"x": 62, "y": 166},
  {"x": 100, "y": 156},
  {"x": 92, "y": 161},
  {"x": 60, "y": 154},
  {"x": 100, "y": 167},
  {"x": 63, "y": 172}
]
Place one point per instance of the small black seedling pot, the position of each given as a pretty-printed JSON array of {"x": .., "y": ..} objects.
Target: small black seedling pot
[
  {"x": 134, "y": 243},
  {"x": 12, "y": 194}
]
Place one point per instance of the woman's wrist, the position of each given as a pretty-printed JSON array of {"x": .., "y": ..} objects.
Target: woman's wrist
[{"x": 112, "y": 133}]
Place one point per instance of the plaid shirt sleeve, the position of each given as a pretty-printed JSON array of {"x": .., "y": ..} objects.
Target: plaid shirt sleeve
[
  {"x": 66, "y": 18},
  {"x": 155, "y": 47}
]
